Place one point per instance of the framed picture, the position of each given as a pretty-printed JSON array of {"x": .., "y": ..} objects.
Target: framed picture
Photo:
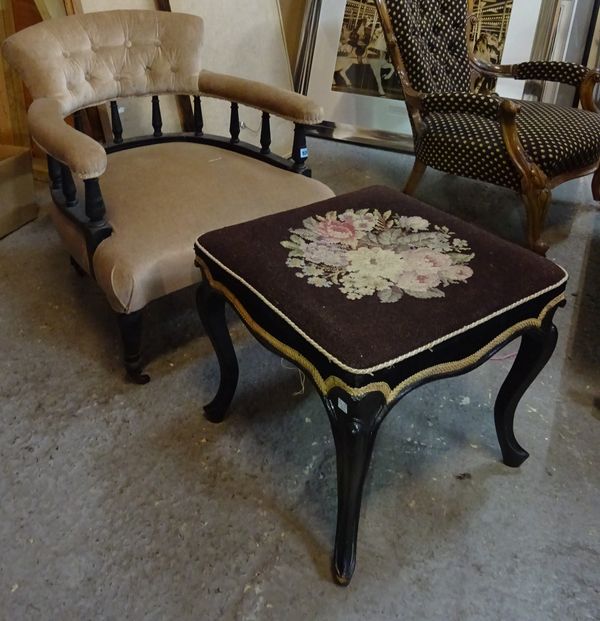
[
  {"x": 488, "y": 37},
  {"x": 591, "y": 53},
  {"x": 343, "y": 64}
]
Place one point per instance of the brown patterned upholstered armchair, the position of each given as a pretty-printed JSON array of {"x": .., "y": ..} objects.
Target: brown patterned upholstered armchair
[
  {"x": 130, "y": 211},
  {"x": 529, "y": 147}
]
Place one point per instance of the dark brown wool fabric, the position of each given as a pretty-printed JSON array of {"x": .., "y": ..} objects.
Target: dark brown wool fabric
[{"x": 366, "y": 332}]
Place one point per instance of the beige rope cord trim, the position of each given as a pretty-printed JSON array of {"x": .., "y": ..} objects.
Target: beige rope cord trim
[
  {"x": 390, "y": 394},
  {"x": 389, "y": 363}
]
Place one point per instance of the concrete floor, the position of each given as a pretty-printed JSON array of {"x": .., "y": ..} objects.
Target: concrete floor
[{"x": 121, "y": 502}]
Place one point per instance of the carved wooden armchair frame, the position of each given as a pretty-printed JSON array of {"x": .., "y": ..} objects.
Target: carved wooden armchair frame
[{"x": 535, "y": 185}]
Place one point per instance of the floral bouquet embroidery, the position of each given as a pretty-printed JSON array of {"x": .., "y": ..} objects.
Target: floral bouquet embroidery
[{"x": 366, "y": 252}]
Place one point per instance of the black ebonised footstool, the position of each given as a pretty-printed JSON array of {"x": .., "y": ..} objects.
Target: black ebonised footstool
[{"x": 373, "y": 294}]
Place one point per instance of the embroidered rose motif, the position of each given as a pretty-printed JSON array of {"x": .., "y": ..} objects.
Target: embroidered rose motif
[
  {"x": 336, "y": 231},
  {"x": 413, "y": 223},
  {"x": 367, "y": 252},
  {"x": 332, "y": 254},
  {"x": 457, "y": 273},
  {"x": 427, "y": 261},
  {"x": 361, "y": 222}
]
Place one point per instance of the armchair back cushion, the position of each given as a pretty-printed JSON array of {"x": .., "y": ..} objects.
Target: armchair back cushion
[
  {"x": 432, "y": 42},
  {"x": 87, "y": 59}
]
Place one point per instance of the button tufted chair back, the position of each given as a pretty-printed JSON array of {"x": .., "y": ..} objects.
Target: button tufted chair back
[
  {"x": 432, "y": 42},
  {"x": 83, "y": 60}
]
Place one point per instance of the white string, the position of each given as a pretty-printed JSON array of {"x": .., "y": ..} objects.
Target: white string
[
  {"x": 244, "y": 125},
  {"x": 501, "y": 357},
  {"x": 301, "y": 374}
]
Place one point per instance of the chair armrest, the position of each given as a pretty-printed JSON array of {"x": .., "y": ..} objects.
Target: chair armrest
[
  {"x": 286, "y": 104},
  {"x": 551, "y": 71},
  {"x": 503, "y": 111},
  {"x": 582, "y": 77},
  {"x": 469, "y": 103},
  {"x": 83, "y": 155}
]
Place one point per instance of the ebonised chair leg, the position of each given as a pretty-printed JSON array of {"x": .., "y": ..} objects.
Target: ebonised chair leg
[
  {"x": 131, "y": 335},
  {"x": 354, "y": 424},
  {"x": 535, "y": 350},
  {"x": 211, "y": 308},
  {"x": 536, "y": 202}
]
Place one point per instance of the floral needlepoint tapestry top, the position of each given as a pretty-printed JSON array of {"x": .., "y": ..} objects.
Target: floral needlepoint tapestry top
[{"x": 366, "y": 252}]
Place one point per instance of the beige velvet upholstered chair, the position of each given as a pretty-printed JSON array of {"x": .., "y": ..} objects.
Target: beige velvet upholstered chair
[{"x": 129, "y": 212}]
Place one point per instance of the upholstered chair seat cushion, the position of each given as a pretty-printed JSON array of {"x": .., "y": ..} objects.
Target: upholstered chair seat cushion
[
  {"x": 160, "y": 197},
  {"x": 472, "y": 145}
]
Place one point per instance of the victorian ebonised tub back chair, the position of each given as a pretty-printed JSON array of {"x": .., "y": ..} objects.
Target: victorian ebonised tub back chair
[
  {"x": 527, "y": 146},
  {"x": 129, "y": 212}
]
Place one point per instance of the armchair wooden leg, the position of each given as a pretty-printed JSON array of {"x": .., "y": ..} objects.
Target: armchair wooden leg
[
  {"x": 536, "y": 207},
  {"x": 534, "y": 184},
  {"x": 131, "y": 334},
  {"x": 415, "y": 177},
  {"x": 596, "y": 185}
]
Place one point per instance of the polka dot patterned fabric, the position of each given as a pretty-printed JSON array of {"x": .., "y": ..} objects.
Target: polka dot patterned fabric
[
  {"x": 432, "y": 42},
  {"x": 471, "y": 145},
  {"x": 483, "y": 105},
  {"x": 565, "y": 73}
]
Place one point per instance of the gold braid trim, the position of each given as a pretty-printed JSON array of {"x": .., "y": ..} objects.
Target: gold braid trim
[{"x": 389, "y": 393}]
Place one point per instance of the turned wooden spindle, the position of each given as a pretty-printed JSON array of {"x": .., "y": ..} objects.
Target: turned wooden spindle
[
  {"x": 68, "y": 186},
  {"x": 115, "y": 118},
  {"x": 299, "y": 150},
  {"x": 94, "y": 203},
  {"x": 156, "y": 117},
  {"x": 78, "y": 120},
  {"x": 54, "y": 173},
  {"x": 234, "y": 123},
  {"x": 265, "y": 133},
  {"x": 198, "y": 119}
]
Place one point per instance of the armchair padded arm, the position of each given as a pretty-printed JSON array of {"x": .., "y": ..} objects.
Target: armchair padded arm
[
  {"x": 286, "y": 104},
  {"x": 551, "y": 71},
  {"x": 470, "y": 103},
  {"x": 83, "y": 155}
]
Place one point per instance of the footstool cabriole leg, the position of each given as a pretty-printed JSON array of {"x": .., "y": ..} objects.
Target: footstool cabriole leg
[
  {"x": 535, "y": 350},
  {"x": 354, "y": 424},
  {"x": 211, "y": 308}
]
